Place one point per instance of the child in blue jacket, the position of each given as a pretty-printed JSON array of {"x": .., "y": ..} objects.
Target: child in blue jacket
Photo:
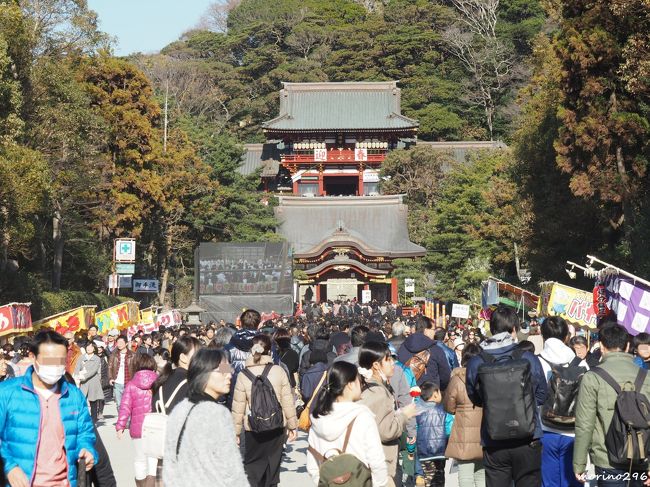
[{"x": 434, "y": 428}]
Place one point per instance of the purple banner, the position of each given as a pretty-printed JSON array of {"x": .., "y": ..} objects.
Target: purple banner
[{"x": 630, "y": 301}]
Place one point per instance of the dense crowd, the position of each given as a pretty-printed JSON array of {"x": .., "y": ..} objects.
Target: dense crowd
[{"x": 386, "y": 399}]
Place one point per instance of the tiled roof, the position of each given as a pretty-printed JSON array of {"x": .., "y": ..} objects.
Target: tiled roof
[
  {"x": 340, "y": 106},
  {"x": 375, "y": 224}
]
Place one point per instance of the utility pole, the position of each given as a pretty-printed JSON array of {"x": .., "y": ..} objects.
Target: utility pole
[{"x": 165, "y": 123}]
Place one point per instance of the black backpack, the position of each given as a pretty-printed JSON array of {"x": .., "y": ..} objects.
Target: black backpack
[
  {"x": 628, "y": 438},
  {"x": 265, "y": 409},
  {"x": 559, "y": 410},
  {"x": 508, "y": 399}
]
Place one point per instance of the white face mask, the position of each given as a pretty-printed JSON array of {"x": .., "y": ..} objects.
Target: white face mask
[{"x": 50, "y": 374}]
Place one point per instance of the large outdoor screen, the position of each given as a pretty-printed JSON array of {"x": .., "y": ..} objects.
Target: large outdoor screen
[{"x": 244, "y": 268}]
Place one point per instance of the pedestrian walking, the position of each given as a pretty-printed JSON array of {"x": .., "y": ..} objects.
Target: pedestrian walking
[
  {"x": 88, "y": 375},
  {"x": 596, "y": 408},
  {"x": 120, "y": 368},
  {"x": 376, "y": 367},
  {"x": 263, "y": 448},
  {"x": 563, "y": 371},
  {"x": 104, "y": 378},
  {"x": 511, "y": 429},
  {"x": 200, "y": 444},
  {"x": 171, "y": 385},
  {"x": 465, "y": 440},
  {"x": 433, "y": 430},
  {"x": 45, "y": 427},
  {"x": 421, "y": 345},
  {"x": 335, "y": 408},
  {"x": 135, "y": 404}
]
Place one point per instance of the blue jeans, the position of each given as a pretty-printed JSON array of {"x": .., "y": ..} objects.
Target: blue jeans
[
  {"x": 118, "y": 390},
  {"x": 613, "y": 477},
  {"x": 557, "y": 461}
]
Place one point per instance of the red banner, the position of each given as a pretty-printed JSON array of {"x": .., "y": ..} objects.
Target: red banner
[{"x": 15, "y": 318}]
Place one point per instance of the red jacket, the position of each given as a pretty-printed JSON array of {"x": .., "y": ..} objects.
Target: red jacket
[{"x": 136, "y": 402}]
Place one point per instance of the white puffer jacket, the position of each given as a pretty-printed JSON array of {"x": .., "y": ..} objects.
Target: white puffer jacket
[{"x": 328, "y": 433}]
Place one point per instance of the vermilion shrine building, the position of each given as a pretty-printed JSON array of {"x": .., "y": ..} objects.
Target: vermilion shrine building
[{"x": 322, "y": 157}]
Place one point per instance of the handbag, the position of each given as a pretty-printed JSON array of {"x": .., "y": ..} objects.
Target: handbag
[
  {"x": 154, "y": 426},
  {"x": 304, "y": 422}
]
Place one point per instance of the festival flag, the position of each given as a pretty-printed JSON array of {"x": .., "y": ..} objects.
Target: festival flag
[{"x": 630, "y": 301}]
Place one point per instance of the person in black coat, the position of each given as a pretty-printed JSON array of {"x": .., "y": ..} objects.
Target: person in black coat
[
  {"x": 173, "y": 378},
  {"x": 437, "y": 368}
]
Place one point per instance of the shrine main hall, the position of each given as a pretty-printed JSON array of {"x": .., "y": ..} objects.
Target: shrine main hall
[{"x": 322, "y": 158}]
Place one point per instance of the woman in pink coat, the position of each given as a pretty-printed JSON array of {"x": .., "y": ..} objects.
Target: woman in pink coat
[{"x": 136, "y": 402}]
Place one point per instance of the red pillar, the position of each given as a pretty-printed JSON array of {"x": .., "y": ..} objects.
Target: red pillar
[
  {"x": 360, "y": 193},
  {"x": 295, "y": 187},
  {"x": 321, "y": 185},
  {"x": 318, "y": 292},
  {"x": 394, "y": 291}
]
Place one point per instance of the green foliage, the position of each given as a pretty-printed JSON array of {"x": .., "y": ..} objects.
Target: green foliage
[
  {"x": 339, "y": 40},
  {"x": 241, "y": 214},
  {"x": 471, "y": 225},
  {"x": 603, "y": 140}
]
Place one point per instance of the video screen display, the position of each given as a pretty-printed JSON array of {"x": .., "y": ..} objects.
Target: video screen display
[{"x": 245, "y": 268}]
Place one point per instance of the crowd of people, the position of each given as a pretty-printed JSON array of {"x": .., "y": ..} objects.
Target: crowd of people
[{"x": 387, "y": 400}]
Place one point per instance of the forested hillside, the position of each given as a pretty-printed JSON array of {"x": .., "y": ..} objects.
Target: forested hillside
[{"x": 87, "y": 155}]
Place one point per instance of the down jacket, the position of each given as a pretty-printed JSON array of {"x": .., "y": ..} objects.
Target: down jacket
[
  {"x": 434, "y": 425},
  {"x": 136, "y": 402},
  {"x": 280, "y": 382},
  {"x": 20, "y": 419},
  {"x": 465, "y": 440}
]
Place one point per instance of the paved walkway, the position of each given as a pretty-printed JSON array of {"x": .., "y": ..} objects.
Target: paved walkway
[{"x": 293, "y": 472}]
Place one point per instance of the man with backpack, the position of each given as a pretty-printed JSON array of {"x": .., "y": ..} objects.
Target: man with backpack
[
  {"x": 563, "y": 371},
  {"x": 427, "y": 361},
  {"x": 613, "y": 416},
  {"x": 509, "y": 384}
]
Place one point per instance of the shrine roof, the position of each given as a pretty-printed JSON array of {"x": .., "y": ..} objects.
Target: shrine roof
[
  {"x": 376, "y": 225},
  {"x": 340, "y": 106},
  {"x": 266, "y": 156}
]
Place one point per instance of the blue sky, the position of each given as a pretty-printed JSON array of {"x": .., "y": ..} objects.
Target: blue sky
[{"x": 146, "y": 25}]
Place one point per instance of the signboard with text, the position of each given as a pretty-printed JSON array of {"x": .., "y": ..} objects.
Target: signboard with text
[
  {"x": 409, "y": 285},
  {"x": 145, "y": 285},
  {"x": 460, "y": 311},
  {"x": 574, "y": 305},
  {"x": 320, "y": 155},
  {"x": 366, "y": 296},
  {"x": 127, "y": 269},
  {"x": 360, "y": 154}
]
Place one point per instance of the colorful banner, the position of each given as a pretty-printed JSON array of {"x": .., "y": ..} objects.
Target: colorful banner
[
  {"x": 169, "y": 318},
  {"x": 117, "y": 317},
  {"x": 574, "y": 305},
  {"x": 148, "y": 315},
  {"x": 15, "y": 318},
  {"x": 74, "y": 320},
  {"x": 630, "y": 300}
]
